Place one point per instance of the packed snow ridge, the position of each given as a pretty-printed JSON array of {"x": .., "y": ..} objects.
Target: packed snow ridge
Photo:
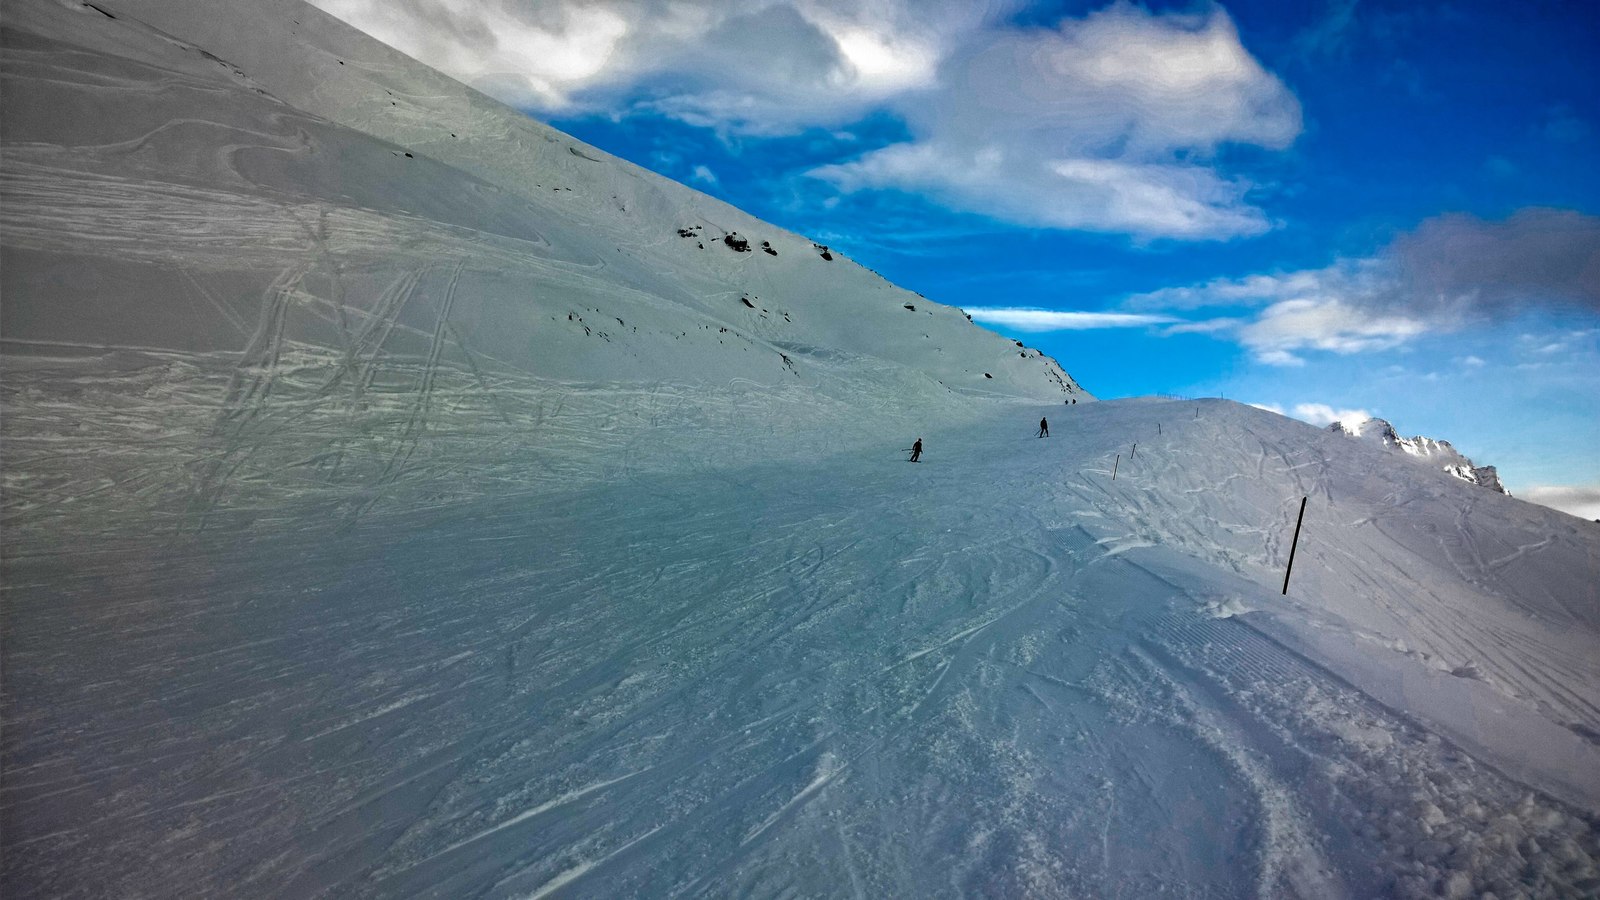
[
  {"x": 399, "y": 497},
  {"x": 1380, "y": 432}
]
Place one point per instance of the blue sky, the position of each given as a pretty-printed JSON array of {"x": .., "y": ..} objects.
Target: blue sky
[{"x": 1330, "y": 208}]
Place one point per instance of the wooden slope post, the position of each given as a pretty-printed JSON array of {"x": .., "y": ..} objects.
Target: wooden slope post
[{"x": 1114, "y": 467}]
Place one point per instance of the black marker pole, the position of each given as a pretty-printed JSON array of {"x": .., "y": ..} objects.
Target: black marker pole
[{"x": 1294, "y": 544}]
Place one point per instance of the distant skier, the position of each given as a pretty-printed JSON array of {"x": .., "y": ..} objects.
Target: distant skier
[
  {"x": 916, "y": 451},
  {"x": 1044, "y": 427}
]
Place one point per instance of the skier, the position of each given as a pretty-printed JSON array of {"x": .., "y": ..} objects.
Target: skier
[
  {"x": 916, "y": 451},
  {"x": 1044, "y": 428}
]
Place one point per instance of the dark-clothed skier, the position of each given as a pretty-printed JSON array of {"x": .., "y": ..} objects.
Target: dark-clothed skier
[
  {"x": 916, "y": 451},
  {"x": 1044, "y": 427}
]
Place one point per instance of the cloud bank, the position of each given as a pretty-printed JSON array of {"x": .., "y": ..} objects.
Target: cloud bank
[
  {"x": 1110, "y": 122},
  {"x": 1451, "y": 271},
  {"x": 1582, "y": 501},
  {"x": 1460, "y": 266}
]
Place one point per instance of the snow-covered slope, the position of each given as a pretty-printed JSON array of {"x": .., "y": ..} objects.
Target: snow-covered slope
[
  {"x": 346, "y": 174},
  {"x": 997, "y": 672},
  {"x": 1439, "y": 453},
  {"x": 339, "y": 561},
  {"x": 265, "y": 210}
]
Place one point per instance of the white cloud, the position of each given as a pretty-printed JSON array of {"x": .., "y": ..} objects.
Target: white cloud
[
  {"x": 1011, "y": 183},
  {"x": 1321, "y": 309},
  {"x": 1059, "y": 320},
  {"x": 1582, "y": 501},
  {"x": 1269, "y": 407},
  {"x": 1279, "y": 358},
  {"x": 1205, "y": 326},
  {"x": 1449, "y": 272},
  {"x": 528, "y": 55},
  {"x": 1323, "y": 415},
  {"x": 1094, "y": 125},
  {"x": 1107, "y": 123},
  {"x": 767, "y": 66},
  {"x": 1323, "y": 324},
  {"x": 1347, "y": 279},
  {"x": 703, "y": 174}
]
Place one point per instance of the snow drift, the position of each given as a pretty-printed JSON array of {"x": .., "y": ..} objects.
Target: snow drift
[{"x": 403, "y": 498}]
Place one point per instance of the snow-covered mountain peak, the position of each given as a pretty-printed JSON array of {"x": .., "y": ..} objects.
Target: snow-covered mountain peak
[{"x": 1440, "y": 452}]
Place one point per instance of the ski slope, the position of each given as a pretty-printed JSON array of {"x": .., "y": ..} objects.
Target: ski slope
[
  {"x": 997, "y": 671},
  {"x": 449, "y": 525}
]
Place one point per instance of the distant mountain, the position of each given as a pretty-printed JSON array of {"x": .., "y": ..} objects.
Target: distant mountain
[{"x": 1441, "y": 453}]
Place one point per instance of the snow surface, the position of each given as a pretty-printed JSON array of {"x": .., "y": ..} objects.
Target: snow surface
[{"x": 339, "y": 560}]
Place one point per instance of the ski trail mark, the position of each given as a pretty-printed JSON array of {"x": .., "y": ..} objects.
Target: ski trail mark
[
  {"x": 524, "y": 816},
  {"x": 581, "y": 869},
  {"x": 829, "y": 768}
]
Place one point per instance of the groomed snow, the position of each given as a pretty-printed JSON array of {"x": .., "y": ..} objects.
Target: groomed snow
[{"x": 340, "y": 561}]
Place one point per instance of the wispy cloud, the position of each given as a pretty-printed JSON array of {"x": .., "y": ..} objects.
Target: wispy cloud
[
  {"x": 1346, "y": 279},
  {"x": 1330, "y": 35},
  {"x": 1291, "y": 325},
  {"x": 1562, "y": 125},
  {"x": 1204, "y": 326},
  {"x": 1040, "y": 320}
]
